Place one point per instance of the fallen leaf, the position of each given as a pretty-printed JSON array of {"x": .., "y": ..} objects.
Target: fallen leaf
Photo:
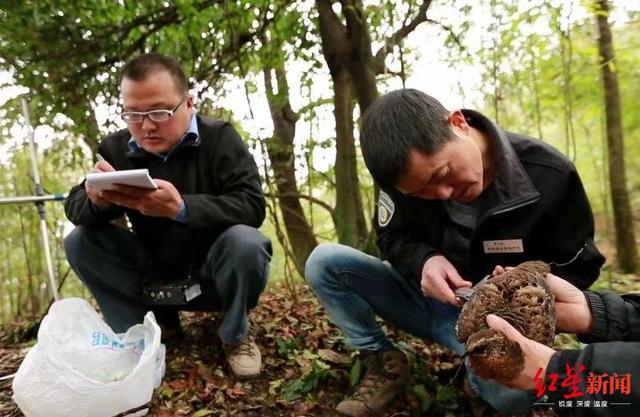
[
  {"x": 180, "y": 384},
  {"x": 235, "y": 392},
  {"x": 202, "y": 413},
  {"x": 332, "y": 356}
]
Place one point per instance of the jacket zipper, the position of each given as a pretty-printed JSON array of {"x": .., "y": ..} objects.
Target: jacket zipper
[{"x": 517, "y": 206}]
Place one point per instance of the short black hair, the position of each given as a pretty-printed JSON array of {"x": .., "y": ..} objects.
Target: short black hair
[
  {"x": 396, "y": 124},
  {"x": 145, "y": 65}
]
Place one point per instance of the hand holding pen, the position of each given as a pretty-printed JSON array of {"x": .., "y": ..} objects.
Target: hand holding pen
[
  {"x": 102, "y": 165},
  {"x": 94, "y": 195}
]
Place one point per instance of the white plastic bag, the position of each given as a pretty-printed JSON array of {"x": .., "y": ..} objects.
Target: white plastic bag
[{"x": 80, "y": 367}]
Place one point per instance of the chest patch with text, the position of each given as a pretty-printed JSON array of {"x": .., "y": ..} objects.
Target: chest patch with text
[{"x": 503, "y": 246}]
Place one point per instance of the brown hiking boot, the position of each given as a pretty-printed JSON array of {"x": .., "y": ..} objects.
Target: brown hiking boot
[{"x": 387, "y": 373}]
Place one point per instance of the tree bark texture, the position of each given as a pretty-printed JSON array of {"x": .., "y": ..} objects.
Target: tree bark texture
[
  {"x": 351, "y": 226},
  {"x": 338, "y": 50},
  {"x": 625, "y": 237},
  {"x": 281, "y": 155},
  {"x": 347, "y": 50}
]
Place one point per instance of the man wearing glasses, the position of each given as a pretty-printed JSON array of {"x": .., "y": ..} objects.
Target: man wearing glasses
[{"x": 200, "y": 223}]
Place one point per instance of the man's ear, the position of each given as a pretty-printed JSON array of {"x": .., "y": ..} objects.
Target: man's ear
[
  {"x": 457, "y": 119},
  {"x": 190, "y": 105}
]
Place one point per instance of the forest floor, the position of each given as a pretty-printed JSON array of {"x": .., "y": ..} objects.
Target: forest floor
[{"x": 307, "y": 368}]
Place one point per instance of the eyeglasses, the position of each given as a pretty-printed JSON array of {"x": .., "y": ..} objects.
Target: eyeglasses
[{"x": 153, "y": 115}]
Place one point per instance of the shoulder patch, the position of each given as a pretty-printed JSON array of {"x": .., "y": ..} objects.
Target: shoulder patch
[{"x": 386, "y": 208}]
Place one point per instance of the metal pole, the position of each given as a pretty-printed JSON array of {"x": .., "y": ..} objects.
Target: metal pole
[
  {"x": 40, "y": 204},
  {"x": 32, "y": 198}
]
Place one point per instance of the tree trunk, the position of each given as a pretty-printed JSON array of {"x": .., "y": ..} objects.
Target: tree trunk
[
  {"x": 92, "y": 137},
  {"x": 351, "y": 226},
  {"x": 27, "y": 258},
  {"x": 280, "y": 150},
  {"x": 347, "y": 50},
  {"x": 84, "y": 115},
  {"x": 349, "y": 214},
  {"x": 536, "y": 93},
  {"x": 566, "y": 54},
  {"x": 361, "y": 62},
  {"x": 5, "y": 274},
  {"x": 625, "y": 236}
]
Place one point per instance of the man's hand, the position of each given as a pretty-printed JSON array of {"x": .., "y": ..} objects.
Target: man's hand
[
  {"x": 536, "y": 355},
  {"x": 163, "y": 202},
  {"x": 94, "y": 195},
  {"x": 572, "y": 311},
  {"x": 440, "y": 279}
]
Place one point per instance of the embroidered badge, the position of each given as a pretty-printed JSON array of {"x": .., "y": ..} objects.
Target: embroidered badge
[{"x": 386, "y": 207}]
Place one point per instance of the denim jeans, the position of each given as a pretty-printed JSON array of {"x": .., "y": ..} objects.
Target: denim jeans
[
  {"x": 112, "y": 263},
  {"x": 355, "y": 287}
]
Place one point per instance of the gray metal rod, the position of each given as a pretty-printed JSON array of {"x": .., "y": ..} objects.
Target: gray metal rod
[
  {"x": 32, "y": 143},
  {"x": 32, "y": 198},
  {"x": 47, "y": 257},
  {"x": 43, "y": 222}
]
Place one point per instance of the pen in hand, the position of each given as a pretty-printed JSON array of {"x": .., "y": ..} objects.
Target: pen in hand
[{"x": 103, "y": 165}]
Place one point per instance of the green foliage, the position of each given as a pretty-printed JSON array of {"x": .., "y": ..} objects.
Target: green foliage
[
  {"x": 356, "y": 372},
  {"x": 24, "y": 287},
  {"x": 309, "y": 382},
  {"x": 287, "y": 346},
  {"x": 421, "y": 392},
  {"x": 68, "y": 55},
  {"x": 202, "y": 413},
  {"x": 541, "y": 77}
]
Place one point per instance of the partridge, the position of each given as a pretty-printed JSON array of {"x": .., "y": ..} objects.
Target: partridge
[{"x": 523, "y": 298}]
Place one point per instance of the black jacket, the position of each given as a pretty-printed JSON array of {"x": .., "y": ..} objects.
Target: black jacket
[
  {"x": 615, "y": 348},
  {"x": 216, "y": 176},
  {"x": 537, "y": 197}
]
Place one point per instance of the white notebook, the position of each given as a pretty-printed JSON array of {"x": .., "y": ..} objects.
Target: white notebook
[{"x": 132, "y": 177}]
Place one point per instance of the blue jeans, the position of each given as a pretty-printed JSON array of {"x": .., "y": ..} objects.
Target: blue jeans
[
  {"x": 112, "y": 263},
  {"x": 354, "y": 287}
]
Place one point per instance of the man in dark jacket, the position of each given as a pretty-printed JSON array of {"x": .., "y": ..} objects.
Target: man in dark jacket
[
  {"x": 200, "y": 223},
  {"x": 600, "y": 380},
  {"x": 458, "y": 195}
]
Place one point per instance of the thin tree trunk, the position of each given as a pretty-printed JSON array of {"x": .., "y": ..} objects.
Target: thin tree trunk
[
  {"x": 361, "y": 62},
  {"x": 566, "y": 55},
  {"x": 337, "y": 50},
  {"x": 280, "y": 150},
  {"x": 4, "y": 274},
  {"x": 308, "y": 159},
  {"x": 27, "y": 259},
  {"x": 536, "y": 94},
  {"x": 92, "y": 135},
  {"x": 13, "y": 298},
  {"x": 347, "y": 50},
  {"x": 625, "y": 235},
  {"x": 496, "y": 93},
  {"x": 350, "y": 222}
]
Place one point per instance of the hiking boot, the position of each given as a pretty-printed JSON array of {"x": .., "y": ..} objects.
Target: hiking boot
[
  {"x": 244, "y": 359},
  {"x": 387, "y": 373}
]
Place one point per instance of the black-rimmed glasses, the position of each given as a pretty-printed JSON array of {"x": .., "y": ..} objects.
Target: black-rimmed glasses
[{"x": 153, "y": 115}]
